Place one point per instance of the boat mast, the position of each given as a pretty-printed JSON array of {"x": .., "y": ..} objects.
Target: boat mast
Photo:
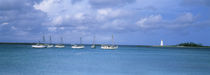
[
  {"x": 39, "y": 42},
  {"x": 80, "y": 40},
  {"x": 50, "y": 40},
  {"x": 43, "y": 39},
  {"x": 93, "y": 40},
  {"x": 61, "y": 40},
  {"x": 112, "y": 39}
]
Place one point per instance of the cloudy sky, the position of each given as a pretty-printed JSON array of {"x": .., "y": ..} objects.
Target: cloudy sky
[{"x": 133, "y": 22}]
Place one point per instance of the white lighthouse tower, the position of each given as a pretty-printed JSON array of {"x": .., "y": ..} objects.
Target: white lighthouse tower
[{"x": 161, "y": 43}]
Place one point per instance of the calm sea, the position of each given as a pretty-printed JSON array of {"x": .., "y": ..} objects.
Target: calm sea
[{"x": 24, "y": 60}]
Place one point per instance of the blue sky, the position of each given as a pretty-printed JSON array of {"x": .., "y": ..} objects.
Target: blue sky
[{"x": 133, "y": 22}]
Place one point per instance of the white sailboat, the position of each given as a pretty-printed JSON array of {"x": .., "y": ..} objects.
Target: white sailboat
[
  {"x": 80, "y": 46},
  {"x": 93, "y": 45},
  {"x": 50, "y": 45},
  {"x": 111, "y": 47},
  {"x": 60, "y": 45},
  {"x": 39, "y": 45}
]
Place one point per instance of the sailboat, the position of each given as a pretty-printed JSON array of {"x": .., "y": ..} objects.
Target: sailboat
[
  {"x": 110, "y": 46},
  {"x": 80, "y": 46},
  {"x": 93, "y": 45},
  {"x": 60, "y": 45},
  {"x": 39, "y": 45},
  {"x": 50, "y": 45}
]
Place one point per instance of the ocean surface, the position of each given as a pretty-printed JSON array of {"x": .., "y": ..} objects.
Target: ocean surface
[{"x": 24, "y": 60}]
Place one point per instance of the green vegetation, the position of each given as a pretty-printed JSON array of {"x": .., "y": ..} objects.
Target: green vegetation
[
  {"x": 16, "y": 43},
  {"x": 190, "y": 44}
]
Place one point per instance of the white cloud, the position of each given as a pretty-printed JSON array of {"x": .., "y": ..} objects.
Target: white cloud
[
  {"x": 62, "y": 28},
  {"x": 187, "y": 17},
  {"x": 157, "y": 21},
  {"x": 149, "y": 22},
  {"x": 104, "y": 13},
  {"x": 57, "y": 20},
  {"x": 13, "y": 28},
  {"x": 62, "y": 11},
  {"x": 79, "y": 16},
  {"x": 81, "y": 28},
  {"x": 4, "y": 24},
  {"x": 52, "y": 28},
  {"x": 117, "y": 24},
  {"x": 46, "y": 5},
  {"x": 65, "y": 11}
]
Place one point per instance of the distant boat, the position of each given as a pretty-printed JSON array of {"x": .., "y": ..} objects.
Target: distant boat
[
  {"x": 93, "y": 45},
  {"x": 39, "y": 45},
  {"x": 80, "y": 46},
  {"x": 50, "y": 45},
  {"x": 60, "y": 45},
  {"x": 111, "y": 47}
]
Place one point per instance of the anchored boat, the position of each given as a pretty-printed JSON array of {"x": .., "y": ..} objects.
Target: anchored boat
[
  {"x": 110, "y": 46},
  {"x": 50, "y": 45},
  {"x": 39, "y": 45},
  {"x": 80, "y": 46},
  {"x": 60, "y": 45}
]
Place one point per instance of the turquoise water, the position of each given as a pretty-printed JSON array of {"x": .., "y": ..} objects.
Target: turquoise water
[{"x": 24, "y": 60}]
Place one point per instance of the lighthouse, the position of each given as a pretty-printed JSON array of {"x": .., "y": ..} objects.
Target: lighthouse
[{"x": 161, "y": 43}]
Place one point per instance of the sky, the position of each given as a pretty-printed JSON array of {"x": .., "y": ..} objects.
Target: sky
[{"x": 132, "y": 22}]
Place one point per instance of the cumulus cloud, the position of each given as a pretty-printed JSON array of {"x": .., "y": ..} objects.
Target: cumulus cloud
[
  {"x": 76, "y": 15},
  {"x": 109, "y": 3},
  {"x": 63, "y": 9},
  {"x": 106, "y": 13},
  {"x": 5, "y": 23},
  {"x": 97, "y": 17},
  {"x": 149, "y": 22},
  {"x": 83, "y": 16},
  {"x": 185, "y": 18},
  {"x": 157, "y": 21},
  {"x": 13, "y": 28},
  {"x": 19, "y": 17},
  {"x": 52, "y": 28}
]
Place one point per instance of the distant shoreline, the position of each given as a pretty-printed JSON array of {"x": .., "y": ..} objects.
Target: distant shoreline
[
  {"x": 174, "y": 46},
  {"x": 16, "y": 43},
  {"x": 169, "y": 46},
  {"x": 64, "y": 44}
]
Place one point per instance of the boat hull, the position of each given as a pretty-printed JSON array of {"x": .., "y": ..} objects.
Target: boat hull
[
  {"x": 93, "y": 46},
  {"x": 49, "y": 46},
  {"x": 39, "y": 46},
  {"x": 109, "y": 47},
  {"x": 78, "y": 47},
  {"x": 59, "y": 46}
]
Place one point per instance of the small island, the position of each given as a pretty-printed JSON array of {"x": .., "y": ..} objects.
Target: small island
[
  {"x": 190, "y": 44},
  {"x": 183, "y": 45}
]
